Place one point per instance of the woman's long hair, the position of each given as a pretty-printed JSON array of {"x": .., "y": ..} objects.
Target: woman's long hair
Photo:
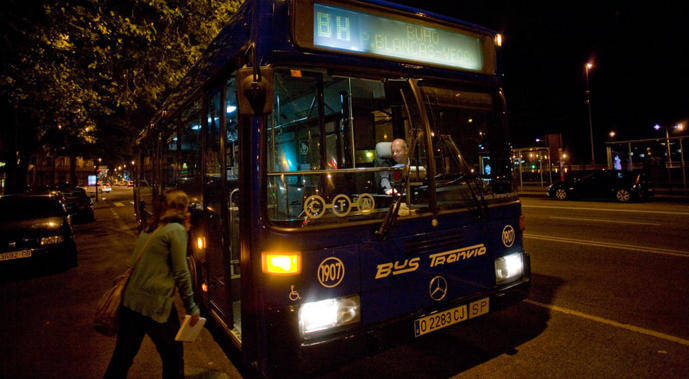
[{"x": 174, "y": 208}]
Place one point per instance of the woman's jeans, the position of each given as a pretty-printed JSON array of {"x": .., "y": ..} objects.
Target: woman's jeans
[{"x": 133, "y": 327}]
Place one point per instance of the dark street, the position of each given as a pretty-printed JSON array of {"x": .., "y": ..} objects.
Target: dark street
[{"x": 609, "y": 300}]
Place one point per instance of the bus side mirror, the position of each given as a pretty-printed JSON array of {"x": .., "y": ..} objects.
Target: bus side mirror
[{"x": 255, "y": 97}]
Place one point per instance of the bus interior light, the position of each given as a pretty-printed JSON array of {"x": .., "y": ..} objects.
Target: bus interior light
[
  {"x": 280, "y": 263},
  {"x": 323, "y": 315},
  {"x": 509, "y": 268}
]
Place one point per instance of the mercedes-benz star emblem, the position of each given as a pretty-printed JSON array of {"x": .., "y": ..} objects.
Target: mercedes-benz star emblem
[{"x": 437, "y": 288}]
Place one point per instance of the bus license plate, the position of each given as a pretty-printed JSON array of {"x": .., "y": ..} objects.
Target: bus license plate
[
  {"x": 443, "y": 319},
  {"x": 15, "y": 255}
]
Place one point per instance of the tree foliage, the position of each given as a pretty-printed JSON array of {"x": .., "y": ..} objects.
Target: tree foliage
[{"x": 86, "y": 74}]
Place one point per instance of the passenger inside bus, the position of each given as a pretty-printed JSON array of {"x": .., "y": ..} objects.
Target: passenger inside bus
[{"x": 390, "y": 154}]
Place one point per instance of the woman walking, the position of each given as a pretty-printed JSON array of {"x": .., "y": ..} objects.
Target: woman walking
[{"x": 147, "y": 306}]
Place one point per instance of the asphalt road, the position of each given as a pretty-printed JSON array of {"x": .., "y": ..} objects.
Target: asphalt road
[{"x": 610, "y": 298}]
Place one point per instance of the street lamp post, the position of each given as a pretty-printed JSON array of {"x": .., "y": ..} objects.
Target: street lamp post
[
  {"x": 589, "y": 66},
  {"x": 678, "y": 127},
  {"x": 669, "y": 157}
]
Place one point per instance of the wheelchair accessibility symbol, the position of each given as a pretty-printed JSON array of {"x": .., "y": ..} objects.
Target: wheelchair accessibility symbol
[{"x": 293, "y": 294}]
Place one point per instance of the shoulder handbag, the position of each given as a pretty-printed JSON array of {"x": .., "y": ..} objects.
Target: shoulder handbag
[{"x": 107, "y": 320}]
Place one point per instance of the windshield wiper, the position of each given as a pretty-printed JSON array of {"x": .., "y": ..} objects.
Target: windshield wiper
[{"x": 477, "y": 193}]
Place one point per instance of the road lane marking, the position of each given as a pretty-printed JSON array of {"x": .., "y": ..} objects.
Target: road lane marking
[
  {"x": 119, "y": 204},
  {"x": 613, "y": 245},
  {"x": 608, "y": 209},
  {"x": 122, "y": 223},
  {"x": 603, "y": 220},
  {"x": 606, "y": 321}
]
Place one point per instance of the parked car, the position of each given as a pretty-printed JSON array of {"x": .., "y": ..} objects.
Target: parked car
[
  {"x": 35, "y": 228},
  {"x": 621, "y": 185},
  {"x": 79, "y": 205},
  {"x": 106, "y": 188}
]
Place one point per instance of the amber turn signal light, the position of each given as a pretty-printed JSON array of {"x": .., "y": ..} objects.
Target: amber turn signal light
[{"x": 279, "y": 263}]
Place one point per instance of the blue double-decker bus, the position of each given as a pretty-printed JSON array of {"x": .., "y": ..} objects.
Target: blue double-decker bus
[{"x": 349, "y": 169}]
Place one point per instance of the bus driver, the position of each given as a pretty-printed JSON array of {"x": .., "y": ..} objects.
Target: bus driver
[{"x": 399, "y": 152}]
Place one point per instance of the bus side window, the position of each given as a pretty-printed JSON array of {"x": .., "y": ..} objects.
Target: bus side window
[
  {"x": 231, "y": 135},
  {"x": 169, "y": 157},
  {"x": 189, "y": 178}
]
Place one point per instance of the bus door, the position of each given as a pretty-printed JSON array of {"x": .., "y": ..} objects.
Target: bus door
[
  {"x": 221, "y": 212},
  {"x": 231, "y": 147}
]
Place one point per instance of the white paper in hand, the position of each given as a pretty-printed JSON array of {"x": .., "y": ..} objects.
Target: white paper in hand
[{"x": 188, "y": 333}]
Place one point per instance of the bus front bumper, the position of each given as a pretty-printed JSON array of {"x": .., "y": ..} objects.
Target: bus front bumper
[{"x": 290, "y": 354}]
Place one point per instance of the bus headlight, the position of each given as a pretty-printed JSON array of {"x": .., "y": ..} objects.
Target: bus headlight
[
  {"x": 509, "y": 268},
  {"x": 329, "y": 314}
]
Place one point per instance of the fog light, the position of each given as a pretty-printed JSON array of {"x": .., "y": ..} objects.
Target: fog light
[
  {"x": 509, "y": 268},
  {"x": 323, "y": 315},
  {"x": 51, "y": 240}
]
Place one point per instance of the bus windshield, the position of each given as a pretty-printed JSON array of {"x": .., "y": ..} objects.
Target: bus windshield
[
  {"x": 330, "y": 146},
  {"x": 470, "y": 149}
]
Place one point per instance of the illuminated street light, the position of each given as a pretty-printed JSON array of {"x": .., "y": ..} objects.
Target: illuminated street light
[
  {"x": 612, "y": 134},
  {"x": 589, "y": 66}
]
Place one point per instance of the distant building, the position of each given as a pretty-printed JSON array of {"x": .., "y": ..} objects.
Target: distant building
[{"x": 44, "y": 170}]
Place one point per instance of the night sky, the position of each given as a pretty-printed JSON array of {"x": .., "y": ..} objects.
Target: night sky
[{"x": 640, "y": 78}]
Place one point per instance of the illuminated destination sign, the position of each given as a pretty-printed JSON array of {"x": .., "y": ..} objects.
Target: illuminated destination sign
[{"x": 360, "y": 32}]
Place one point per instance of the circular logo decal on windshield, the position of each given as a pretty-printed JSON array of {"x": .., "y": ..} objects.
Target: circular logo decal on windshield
[
  {"x": 508, "y": 235},
  {"x": 341, "y": 205},
  {"x": 314, "y": 206}
]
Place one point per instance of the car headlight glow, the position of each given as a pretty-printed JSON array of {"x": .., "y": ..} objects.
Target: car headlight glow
[
  {"x": 509, "y": 268},
  {"x": 51, "y": 240},
  {"x": 328, "y": 314}
]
